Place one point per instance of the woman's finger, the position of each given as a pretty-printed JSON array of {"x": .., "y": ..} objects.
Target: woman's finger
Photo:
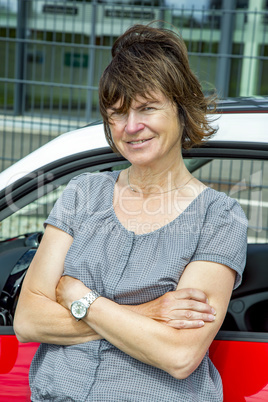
[
  {"x": 184, "y": 324},
  {"x": 188, "y": 315},
  {"x": 190, "y": 293},
  {"x": 191, "y": 305},
  {"x": 171, "y": 308}
]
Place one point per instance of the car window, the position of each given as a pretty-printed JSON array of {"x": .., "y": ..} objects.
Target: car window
[
  {"x": 244, "y": 180},
  {"x": 30, "y": 219}
]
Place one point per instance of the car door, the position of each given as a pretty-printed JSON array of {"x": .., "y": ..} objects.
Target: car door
[{"x": 240, "y": 350}]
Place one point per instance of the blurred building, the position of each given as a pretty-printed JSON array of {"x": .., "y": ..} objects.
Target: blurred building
[{"x": 53, "y": 52}]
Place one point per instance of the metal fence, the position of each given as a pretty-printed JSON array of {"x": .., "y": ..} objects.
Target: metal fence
[{"x": 53, "y": 52}]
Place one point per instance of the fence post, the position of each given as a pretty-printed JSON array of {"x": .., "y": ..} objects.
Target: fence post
[
  {"x": 19, "y": 58},
  {"x": 249, "y": 74},
  {"x": 91, "y": 67},
  {"x": 225, "y": 48}
]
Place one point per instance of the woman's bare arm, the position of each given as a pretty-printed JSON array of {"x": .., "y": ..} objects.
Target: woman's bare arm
[{"x": 39, "y": 318}]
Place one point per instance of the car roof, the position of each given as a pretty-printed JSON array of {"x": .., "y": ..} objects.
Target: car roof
[
  {"x": 70, "y": 143},
  {"x": 234, "y": 127},
  {"x": 255, "y": 104}
]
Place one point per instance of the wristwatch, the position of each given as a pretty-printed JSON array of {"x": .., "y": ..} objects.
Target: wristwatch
[{"x": 79, "y": 308}]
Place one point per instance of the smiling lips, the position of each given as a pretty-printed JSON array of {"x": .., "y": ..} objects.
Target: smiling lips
[{"x": 138, "y": 142}]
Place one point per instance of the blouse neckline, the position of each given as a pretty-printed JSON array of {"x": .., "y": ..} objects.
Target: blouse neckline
[{"x": 162, "y": 228}]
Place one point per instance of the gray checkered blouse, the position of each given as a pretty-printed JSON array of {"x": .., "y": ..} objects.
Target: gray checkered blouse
[{"x": 133, "y": 269}]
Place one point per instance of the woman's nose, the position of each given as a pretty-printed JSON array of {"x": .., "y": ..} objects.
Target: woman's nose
[{"x": 133, "y": 122}]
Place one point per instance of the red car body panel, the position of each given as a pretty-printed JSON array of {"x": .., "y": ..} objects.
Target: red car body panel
[
  {"x": 243, "y": 367},
  {"x": 15, "y": 359}
]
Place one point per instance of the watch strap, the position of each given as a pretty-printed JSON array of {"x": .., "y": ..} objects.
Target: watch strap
[{"x": 89, "y": 298}]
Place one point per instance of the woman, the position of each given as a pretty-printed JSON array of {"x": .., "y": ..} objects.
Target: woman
[{"x": 145, "y": 259}]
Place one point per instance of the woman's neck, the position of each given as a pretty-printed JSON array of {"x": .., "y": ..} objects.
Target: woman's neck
[{"x": 158, "y": 179}]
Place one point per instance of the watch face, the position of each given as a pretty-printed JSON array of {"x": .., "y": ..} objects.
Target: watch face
[{"x": 78, "y": 310}]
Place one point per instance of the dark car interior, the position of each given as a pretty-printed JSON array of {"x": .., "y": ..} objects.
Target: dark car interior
[
  {"x": 15, "y": 257},
  {"x": 248, "y": 308}
]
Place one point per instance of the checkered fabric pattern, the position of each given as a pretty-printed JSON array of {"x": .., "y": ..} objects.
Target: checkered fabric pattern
[{"x": 133, "y": 269}]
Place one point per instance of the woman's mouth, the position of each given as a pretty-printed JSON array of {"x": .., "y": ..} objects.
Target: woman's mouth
[{"x": 139, "y": 141}]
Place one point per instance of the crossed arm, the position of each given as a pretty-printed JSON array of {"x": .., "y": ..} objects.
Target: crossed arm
[{"x": 177, "y": 347}]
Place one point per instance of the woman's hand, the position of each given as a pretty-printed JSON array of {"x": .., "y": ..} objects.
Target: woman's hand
[
  {"x": 183, "y": 308},
  {"x": 70, "y": 289}
]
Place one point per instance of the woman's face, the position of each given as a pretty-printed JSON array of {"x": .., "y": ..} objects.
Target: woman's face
[{"x": 150, "y": 132}]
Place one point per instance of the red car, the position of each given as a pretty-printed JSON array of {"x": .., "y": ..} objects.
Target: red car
[{"x": 234, "y": 161}]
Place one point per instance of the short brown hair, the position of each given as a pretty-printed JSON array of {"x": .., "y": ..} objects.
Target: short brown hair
[{"x": 147, "y": 59}]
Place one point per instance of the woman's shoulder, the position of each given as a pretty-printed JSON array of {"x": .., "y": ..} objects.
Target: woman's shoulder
[
  {"x": 220, "y": 203},
  {"x": 218, "y": 197},
  {"x": 208, "y": 196},
  {"x": 91, "y": 186},
  {"x": 97, "y": 178}
]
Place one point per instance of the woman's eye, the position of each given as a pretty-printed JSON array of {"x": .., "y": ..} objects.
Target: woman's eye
[{"x": 117, "y": 115}]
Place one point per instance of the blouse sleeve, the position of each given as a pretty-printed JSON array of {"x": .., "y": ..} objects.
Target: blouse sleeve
[
  {"x": 223, "y": 238},
  {"x": 64, "y": 211}
]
